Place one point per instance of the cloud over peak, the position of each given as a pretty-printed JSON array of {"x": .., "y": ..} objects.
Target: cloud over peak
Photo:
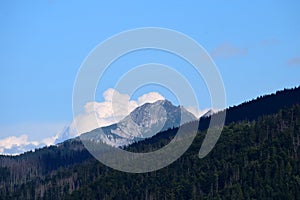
[{"x": 115, "y": 107}]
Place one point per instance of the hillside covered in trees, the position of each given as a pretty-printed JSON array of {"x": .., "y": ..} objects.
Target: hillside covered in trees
[{"x": 256, "y": 157}]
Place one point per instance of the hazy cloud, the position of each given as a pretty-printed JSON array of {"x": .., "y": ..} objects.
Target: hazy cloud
[
  {"x": 294, "y": 61},
  {"x": 269, "y": 42},
  {"x": 228, "y": 50}
]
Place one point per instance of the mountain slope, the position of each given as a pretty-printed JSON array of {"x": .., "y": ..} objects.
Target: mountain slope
[{"x": 143, "y": 122}]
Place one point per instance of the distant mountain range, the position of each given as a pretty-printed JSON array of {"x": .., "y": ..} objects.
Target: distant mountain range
[{"x": 143, "y": 122}]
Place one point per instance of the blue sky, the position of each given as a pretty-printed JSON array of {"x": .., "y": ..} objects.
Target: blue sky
[{"x": 256, "y": 47}]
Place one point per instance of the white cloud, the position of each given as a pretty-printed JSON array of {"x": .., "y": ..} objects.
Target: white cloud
[
  {"x": 22, "y": 137},
  {"x": 18, "y": 144},
  {"x": 14, "y": 145},
  {"x": 197, "y": 113},
  {"x": 49, "y": 141},
  {"x": 115, "y": 107},
  {"x": 150, "y": 97},
  {"x": 13, "y": 141}
]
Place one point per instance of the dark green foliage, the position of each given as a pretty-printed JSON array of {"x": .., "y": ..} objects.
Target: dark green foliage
[
  {"x": 256, "y": 157},
  {"x": 252, "y": 160}
]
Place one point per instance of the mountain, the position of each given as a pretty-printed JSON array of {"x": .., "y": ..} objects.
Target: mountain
[
  {"x": 143, "y": 122},
  {"x": 67, "y": 133},
  {"x": 256, "y": 157}
]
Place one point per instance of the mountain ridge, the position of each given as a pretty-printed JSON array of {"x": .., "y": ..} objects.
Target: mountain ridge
[{"x": 143, "y": 122}]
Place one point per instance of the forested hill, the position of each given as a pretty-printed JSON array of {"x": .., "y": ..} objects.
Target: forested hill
[
  {"x": 252, "y": 160},
  {"x": 256, "y": 157},
  {"x": 263, "y": 105},
  {"x": 247, "y": 111}
]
